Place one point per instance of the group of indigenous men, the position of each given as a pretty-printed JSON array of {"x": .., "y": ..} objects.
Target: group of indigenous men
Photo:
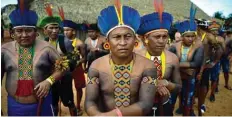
[{"x": 123, "y": 79}]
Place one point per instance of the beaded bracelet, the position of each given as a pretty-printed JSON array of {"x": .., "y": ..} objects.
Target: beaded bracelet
[
  {"x": 119, "y": 113},
  {"x": 51, "y": 80}
]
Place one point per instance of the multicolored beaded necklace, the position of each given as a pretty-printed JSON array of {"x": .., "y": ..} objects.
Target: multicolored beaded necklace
[{"x": 121, "y": 76}]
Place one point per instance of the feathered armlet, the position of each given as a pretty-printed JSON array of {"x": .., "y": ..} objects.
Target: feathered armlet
[
  {"x": 68, "y": 62},
  {"x": 74, "y": 55},
  {"x": 62, "y": 64}
]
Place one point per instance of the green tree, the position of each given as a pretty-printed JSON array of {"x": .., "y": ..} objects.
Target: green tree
[
  {"x": 219, "y": 15},
  {"x": 229, "y": 16}
]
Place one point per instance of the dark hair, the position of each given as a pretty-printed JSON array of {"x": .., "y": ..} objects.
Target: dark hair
[{"x": 172, "y": 33}]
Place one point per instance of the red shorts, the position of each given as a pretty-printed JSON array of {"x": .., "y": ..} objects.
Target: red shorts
[{"x": 79, "y": 77}]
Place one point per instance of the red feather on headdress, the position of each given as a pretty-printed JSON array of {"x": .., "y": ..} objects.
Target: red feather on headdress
[
  {"x": 61, "y": 13},
  {"x": 159, "y": 7},
  {"x": 48, "y": 9},
  {"x": 117, "y": 3},
  {"x": 21, "y": 5}
]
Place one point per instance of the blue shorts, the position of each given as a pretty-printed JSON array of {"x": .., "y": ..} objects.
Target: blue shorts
[
  {"x": 215, "y": 71},
  {"x": 187, "y": 92},
  {"x": 17, "y": 109},
  {"x": 225, "y": 64}
]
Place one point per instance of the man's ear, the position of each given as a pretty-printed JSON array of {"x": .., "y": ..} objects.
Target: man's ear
[
  {"x": 145, "y": 38},
  {"x": 74, "y": 32},
  {"x": 45, "y": 30}
]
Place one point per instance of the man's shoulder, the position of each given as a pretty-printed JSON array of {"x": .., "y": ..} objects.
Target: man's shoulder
[
  {"x": 171, "y": 57},
  {"x": 169, "y": 53},
  {"x": 41, "y": 44},
  {"x": 141, "y": 52},
  {"x": 79, "y": 41},
  {"x": 8, "y": 45},
  {"x": 143, "y": 61},
  {"x": 87, "y": 40},
  {"x": 100, "y": 61}
]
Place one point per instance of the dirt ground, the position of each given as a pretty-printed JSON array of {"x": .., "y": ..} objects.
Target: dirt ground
[{"x": 221, "y": 107}]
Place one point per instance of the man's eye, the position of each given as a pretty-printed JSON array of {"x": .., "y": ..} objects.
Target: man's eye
[
  {"x": 157, "y": 37},
  {"x": 18, "y": 30},
  {"x": 164, "y": 37},
  {"x": 28, "y": 30},
  {"x": 116, "y": 36}
]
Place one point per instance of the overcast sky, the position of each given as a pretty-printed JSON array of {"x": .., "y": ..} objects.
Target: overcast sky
[{"x": 208, "y": 6}]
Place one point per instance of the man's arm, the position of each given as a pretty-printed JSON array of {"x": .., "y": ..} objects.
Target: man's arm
[
  {"x": 145, "y": 103},
  {"x": 197, "y": 60},
  {"x": 218, "y": 54},
  {"x": 222, "y": 43},
  {"x": 42, "y": 89},
  {"x": 82, "y": 49},
  {"x": 2, "y": 66},
  {"x": 175, "y": 84},
  {"x": 92, "y": 93},
  {"x": 53, "y": 56}
]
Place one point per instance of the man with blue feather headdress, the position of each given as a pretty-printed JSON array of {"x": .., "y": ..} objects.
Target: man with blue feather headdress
[
  {"x": 190, "y": 54},
  {"x": 29, "y": 66},
  {"x": 121, "y": 83},
  {"x": 154, "y": 28}
]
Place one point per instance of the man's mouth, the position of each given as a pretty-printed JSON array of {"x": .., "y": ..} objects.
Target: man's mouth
[{"x": 123, "y": 49}]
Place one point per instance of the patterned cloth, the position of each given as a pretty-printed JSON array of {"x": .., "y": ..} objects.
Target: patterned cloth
[
  {"x": 25, "y": 84},
  {"x": 158, "y": 66},
  {"x": 25, "y": 63},
  {"x": 187, "y": 93},
  {"x": 121, "y": 75}
]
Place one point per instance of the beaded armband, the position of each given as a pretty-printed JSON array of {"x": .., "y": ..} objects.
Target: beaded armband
[
  {"x": 149, "y": 80},
  {"x": 93, "y": 80}
]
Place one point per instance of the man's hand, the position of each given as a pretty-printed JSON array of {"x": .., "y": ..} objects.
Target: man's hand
[
  {"x": 42, "y": 89},
  {"x": 161, "y": 88},
  {"x": 110, "y": 113},
  {"x": 162, "y": 83}
]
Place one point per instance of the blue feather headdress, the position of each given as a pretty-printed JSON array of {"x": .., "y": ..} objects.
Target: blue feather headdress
[
  {"x": 118, "y": 16},
  {"x": 23, "y": 17},
  {"x": 190, "y": 25},
  {"x": 70, "y": 24},
  {"x": 158, "y": 20}
]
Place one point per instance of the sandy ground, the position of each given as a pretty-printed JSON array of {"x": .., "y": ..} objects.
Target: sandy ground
[{"x": 222, "y": 105}]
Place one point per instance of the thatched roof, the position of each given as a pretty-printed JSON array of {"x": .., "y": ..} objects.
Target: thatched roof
[{"x": 88, "y": 10}]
